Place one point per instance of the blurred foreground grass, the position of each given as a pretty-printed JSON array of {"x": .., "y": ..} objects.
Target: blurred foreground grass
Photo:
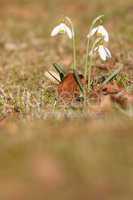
[
  {"x": 66, "y": 158},
  {"x": 75, "y": 160}
]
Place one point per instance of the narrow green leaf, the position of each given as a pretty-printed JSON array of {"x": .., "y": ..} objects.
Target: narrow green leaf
[
  {"x": 60, "y": 70},
  {"x": 113, "y": 75},
  {"x": 76, "y": 76}
]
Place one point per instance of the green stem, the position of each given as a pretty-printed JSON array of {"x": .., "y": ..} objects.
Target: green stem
[
  {"x": 88, "y": 66},
  {"x": 89, "y": 74},
  {"x": 95, "y": 44},
  {"x": 86, "y": 62},
  {"x": 74, "y": 54},
  {"x": 74, "y": 67}
]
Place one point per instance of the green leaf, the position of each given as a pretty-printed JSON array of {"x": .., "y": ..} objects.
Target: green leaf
[
  {"x": 113, "y": 75},
  {"x": 76, "y": 76},
  {"x": 60, "y": 70}
]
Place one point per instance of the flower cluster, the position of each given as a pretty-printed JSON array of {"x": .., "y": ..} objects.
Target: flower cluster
[
  {"x": 98, "y": 31},
  {"x": 97, "y": 38},
  {"x": 102, "y": 33}
]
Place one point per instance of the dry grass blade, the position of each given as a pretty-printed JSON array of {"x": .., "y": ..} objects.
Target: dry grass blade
[{"x": 54, "y": 77}]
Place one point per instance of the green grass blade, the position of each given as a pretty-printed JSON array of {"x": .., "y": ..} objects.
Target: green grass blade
[{"x": 113, "y": 75}]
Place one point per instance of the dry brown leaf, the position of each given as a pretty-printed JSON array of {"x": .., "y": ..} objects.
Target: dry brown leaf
[{"x": 68, "y": 88}]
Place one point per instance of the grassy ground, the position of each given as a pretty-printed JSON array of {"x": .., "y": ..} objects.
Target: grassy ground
[{"x": 60, "y": 153}]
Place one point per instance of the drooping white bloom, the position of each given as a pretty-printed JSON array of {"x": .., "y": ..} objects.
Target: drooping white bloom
[
  {"x": 103, "y": 52},
  {"x": 62, "y": 29},
  {"x": 101, "y": 31}
]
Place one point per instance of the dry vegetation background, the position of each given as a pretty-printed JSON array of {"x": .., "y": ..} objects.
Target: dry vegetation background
[{"x": 62, "y": 154}]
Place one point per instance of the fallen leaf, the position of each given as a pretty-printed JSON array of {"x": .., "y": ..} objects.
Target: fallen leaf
[{"x": 68, "y": 89}]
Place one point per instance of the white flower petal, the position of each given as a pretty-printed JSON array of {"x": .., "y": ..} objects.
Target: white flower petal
[
  {"x": 56, "y": 31},
  {"x": 101, "y": 30},
  {"x": 102, "y": 53},
  {"x": 108, "y": 52},
  {"x": 69, "y": 32},
  {"x": 62, "y": 28}
]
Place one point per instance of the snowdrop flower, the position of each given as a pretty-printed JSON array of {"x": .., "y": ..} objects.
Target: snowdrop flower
[
  {"x": 62, "y": 29},
  {"x": 101, "y": 31},
  {"x": 103, "y": 52}
]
